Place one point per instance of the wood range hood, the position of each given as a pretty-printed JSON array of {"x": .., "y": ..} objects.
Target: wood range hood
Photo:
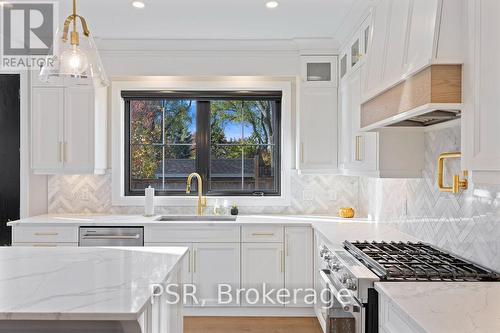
[{"x": 430, "y": 96}]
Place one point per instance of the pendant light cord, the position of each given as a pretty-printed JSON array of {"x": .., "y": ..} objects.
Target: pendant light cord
[{"x": 74, "y": 15}]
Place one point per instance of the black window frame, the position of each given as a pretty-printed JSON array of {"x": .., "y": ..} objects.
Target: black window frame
[{"x": 202, "y": 137}]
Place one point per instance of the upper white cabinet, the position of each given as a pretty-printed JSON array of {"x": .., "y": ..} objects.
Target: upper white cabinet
[
  {"x": 68, "y": 129},
  {"x": 319, "y": 70},
  {"x": 409, "y": 35},
  {"x": 317, "y": 116},
  {"x": 47, "y": 128},
  {"x": 481, "y": 116},
  {"x": 389, "y": 153}
]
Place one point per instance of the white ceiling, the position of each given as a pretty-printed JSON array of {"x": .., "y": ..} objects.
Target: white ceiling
[{"x": 216, "y": 19}]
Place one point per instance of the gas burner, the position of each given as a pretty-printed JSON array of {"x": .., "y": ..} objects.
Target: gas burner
[{"x": 416, "y": 262}]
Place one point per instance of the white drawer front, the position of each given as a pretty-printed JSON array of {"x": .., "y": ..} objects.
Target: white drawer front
[
  {"x": 262, "y": 234},
  {"x": 46, "y": 244},
  {"x": 45, "y": 234},
  {"x": 198, "y": 234}
]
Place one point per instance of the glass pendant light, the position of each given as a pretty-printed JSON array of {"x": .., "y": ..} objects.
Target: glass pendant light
[{"x": 73, "y": 55}]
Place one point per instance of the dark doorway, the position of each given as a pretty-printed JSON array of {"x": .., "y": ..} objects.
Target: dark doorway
[{"x": 10, "y": 132}]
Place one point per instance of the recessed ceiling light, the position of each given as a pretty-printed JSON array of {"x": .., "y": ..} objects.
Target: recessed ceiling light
[
  {"x": 272, "y": 4},
  {"x": 138, "y": 4}
]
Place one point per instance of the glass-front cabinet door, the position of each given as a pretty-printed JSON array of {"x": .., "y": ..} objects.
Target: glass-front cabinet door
[{"x": 319, "y": 70}]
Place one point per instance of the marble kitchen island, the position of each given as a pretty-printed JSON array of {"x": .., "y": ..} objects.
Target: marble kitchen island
[{"x": 99, "y": 290}]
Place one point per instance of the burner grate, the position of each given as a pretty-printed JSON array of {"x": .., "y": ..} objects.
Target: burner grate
[{"x": 416, "y": 261}]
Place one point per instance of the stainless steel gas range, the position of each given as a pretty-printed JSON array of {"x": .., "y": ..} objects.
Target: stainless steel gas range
[{"x": 348, "y": 276}]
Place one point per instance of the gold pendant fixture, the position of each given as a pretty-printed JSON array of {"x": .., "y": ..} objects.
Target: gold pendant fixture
[{"x": 75, "y": 56}]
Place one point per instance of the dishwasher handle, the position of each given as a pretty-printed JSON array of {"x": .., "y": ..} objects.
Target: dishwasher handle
[{"x": 136, "y": 236}]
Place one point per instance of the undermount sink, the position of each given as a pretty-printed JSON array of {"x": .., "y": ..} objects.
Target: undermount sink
[{"x": 195, "y": 218}]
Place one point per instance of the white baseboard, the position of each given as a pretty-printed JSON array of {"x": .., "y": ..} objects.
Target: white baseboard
[{"x": 248, "y": 312}]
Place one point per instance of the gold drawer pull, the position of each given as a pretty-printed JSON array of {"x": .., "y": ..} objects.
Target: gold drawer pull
[
  {"x": 263, "y": 234},
  {"x": 44, "y": 245},
  {"x": 46, "y": 233}
]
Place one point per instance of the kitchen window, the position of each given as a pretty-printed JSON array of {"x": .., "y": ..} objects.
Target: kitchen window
[{"x": 232, "y": 139}]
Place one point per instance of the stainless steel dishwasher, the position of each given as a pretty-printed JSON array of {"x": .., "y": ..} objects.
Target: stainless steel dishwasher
[{"x": 111, "y": 236}]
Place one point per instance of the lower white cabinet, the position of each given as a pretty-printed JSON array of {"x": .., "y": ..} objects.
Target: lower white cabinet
[
  {"x": 215, "y": 264},
  {"x": 298, "y": 263},
  {"x": 277, "y": 256},
  {"x": 392, "y": 319},
  {"x": 206, "y": 266},
  {"x": 262, "y": 263}
]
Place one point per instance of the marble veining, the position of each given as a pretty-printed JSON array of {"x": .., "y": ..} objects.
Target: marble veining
[
  {"x": 81, "y": 283},
  {"x": 437, "y": 307}
]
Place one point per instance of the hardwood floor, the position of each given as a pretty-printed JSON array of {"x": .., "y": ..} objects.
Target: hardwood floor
[{"x": 251, "y": 325}]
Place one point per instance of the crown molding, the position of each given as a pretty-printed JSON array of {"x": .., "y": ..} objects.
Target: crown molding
[{"x": 216, "y": 47}]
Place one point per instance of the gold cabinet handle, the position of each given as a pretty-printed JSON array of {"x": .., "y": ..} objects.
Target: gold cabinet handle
[
  {"x": 189, "y": 263},
  {"x": 46, "y": 233},
  {"x": 458, "y": 184},
  {"x": 194, "y": 261},
  {"x": 358, "y": 156},
  {"x": 263, "y": 234},
  {"x": 302, "y": 152},
  {"x": 287, "y": 252},
  {"x": 282, "y": 258},
  {"x": 61, "y": 152},
  {"x": 44, "y": 245}
]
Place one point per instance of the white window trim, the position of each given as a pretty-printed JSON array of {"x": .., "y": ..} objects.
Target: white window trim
[{"x": 165, "y": 83}]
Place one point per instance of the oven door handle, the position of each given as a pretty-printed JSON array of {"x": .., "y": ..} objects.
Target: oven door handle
[{"x": 346, "y": 306}]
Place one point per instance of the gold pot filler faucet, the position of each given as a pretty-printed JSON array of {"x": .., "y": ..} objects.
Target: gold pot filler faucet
[
  {"x": 458, "y": 184},
  {"x": 202, "y": 200}
]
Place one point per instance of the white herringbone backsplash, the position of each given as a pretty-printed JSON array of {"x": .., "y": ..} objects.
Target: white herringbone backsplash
[
  {"x": 467, "y": 224},
  {"x": 311, "y": 194}
]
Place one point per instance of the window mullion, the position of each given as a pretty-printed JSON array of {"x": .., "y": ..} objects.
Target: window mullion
[{"x": 203, "y": 142}]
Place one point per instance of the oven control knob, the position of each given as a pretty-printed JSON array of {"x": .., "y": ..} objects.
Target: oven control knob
[
  {"x": 343, "y": 278},
  {"x": 327, "y": 256},
  {"x": 322, "y": 251},
  {"x": 335, "y": 267},
  {"x": 350, "y": 284}
]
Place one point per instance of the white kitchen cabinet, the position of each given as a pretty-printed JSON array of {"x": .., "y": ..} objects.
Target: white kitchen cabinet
[
  {"x": 319, "y": 71},
  {"x": 262, "y": 263},
  {"x": 317, "y": 130},
  {"x": 481, "y": 116},
  {"x": 68, "y": 130},
  {"x": 392, "y": 319},
  {"x": 389, "y": 153},
  {"x": 215, "y": 264},
  {"x": 358, "y": 149},
  {"x": 298, "y": 263},
  {"x": 47, "y": 128}
]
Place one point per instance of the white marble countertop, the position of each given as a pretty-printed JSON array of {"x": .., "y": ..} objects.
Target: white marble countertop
[
  {"x": 81, "y": 283},
  {"x": 336, "y": 233},
  {"x": 437, "y": 307},
  {"x": 102, "y": 219}
]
